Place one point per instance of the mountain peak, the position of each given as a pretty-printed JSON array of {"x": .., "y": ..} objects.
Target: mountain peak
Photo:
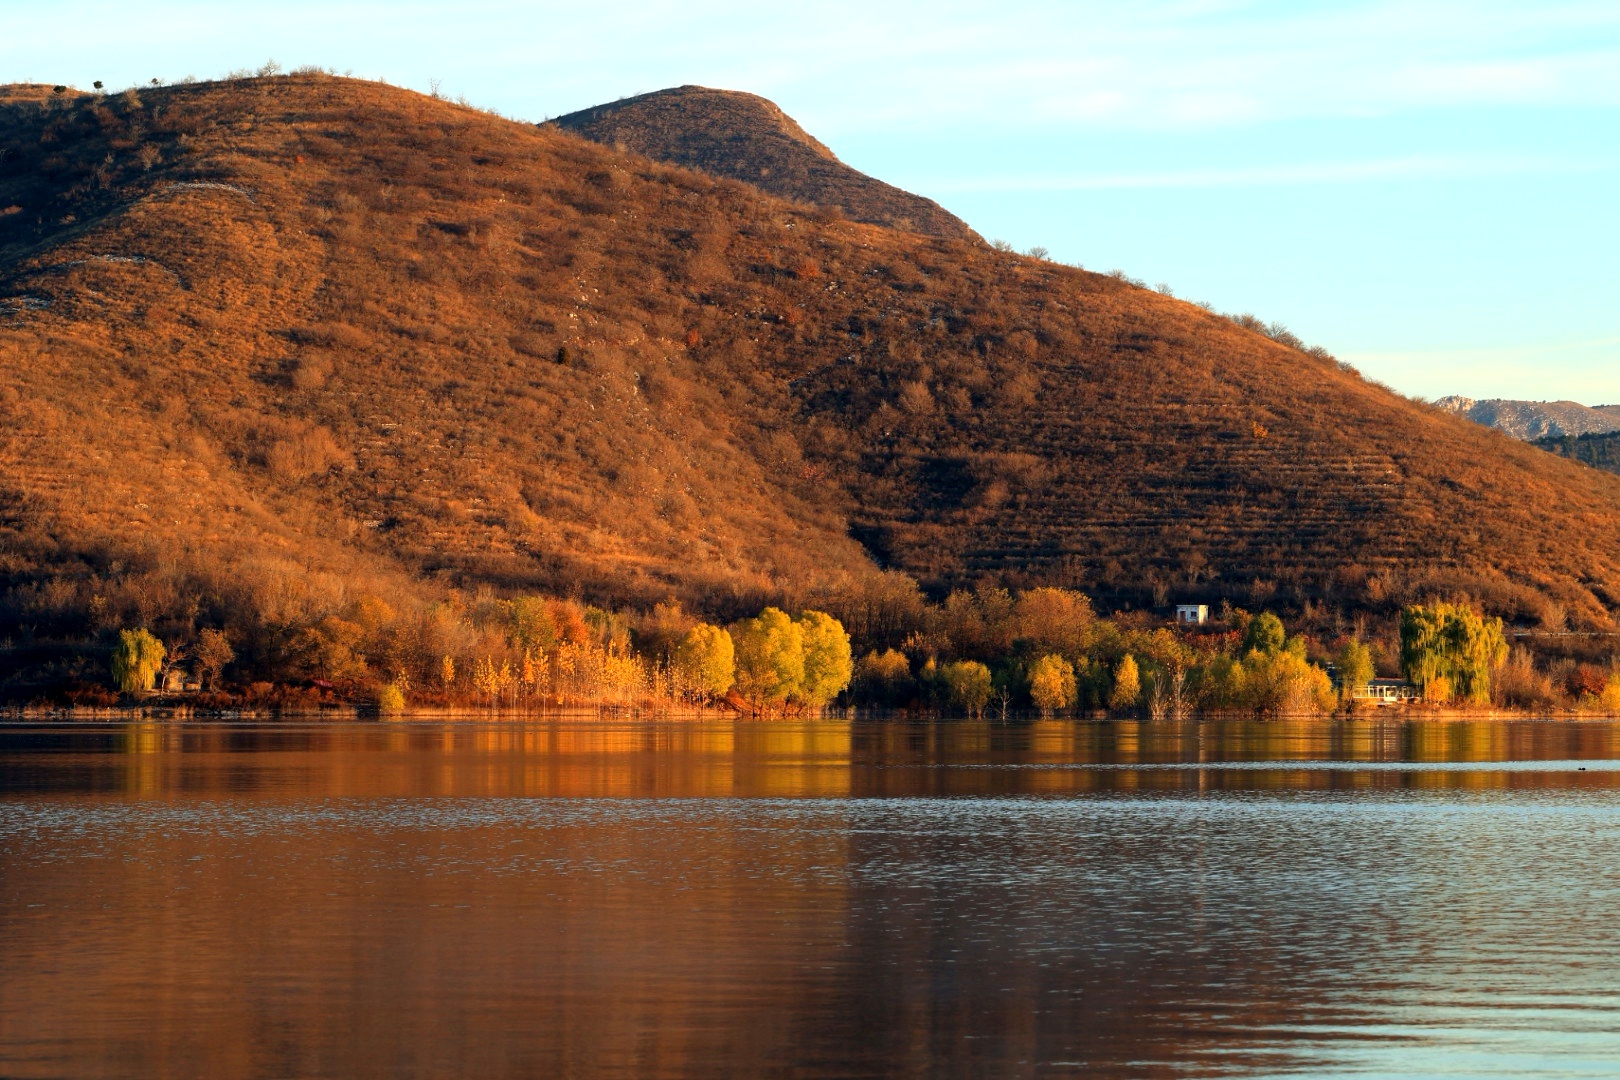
[{"x": 748, "y": 138}]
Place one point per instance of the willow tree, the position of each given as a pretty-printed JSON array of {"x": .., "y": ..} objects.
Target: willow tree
[
  {"x": 707, "y": 659},
  {"x": 136, "y": 660},
  {"x": 1453, "y": 647},
  {"x": 828, "y": 664},
  {"x": 770, "y": 658}
]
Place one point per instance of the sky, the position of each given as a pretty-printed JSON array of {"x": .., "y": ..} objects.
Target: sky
[{"x": 1425, "y": 188}]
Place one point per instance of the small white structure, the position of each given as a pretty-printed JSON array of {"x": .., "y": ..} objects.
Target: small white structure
[
  {"x": 1192, "y": 614},
  {"x": 1386, "y": 692}
]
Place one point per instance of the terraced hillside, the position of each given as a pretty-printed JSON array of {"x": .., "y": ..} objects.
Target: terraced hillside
[{"x": 273, "y": 342}]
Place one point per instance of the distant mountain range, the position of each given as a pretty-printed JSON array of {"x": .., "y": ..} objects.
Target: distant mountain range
[{"x": 1530, "y": 420}]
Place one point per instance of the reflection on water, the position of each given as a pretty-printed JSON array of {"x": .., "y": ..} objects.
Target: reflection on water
[
  {"x": 576, "y": 898},
  {"x": 742, "y": 759}
]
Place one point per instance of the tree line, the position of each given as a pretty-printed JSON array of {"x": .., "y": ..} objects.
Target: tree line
[{"x": 991, "y": 651}]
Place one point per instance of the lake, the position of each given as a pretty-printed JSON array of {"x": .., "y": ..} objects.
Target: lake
[{"x": 578, "y": 897}]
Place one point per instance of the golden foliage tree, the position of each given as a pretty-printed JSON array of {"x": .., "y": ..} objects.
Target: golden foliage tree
[
  {"x": 1051, "y": 684},
  {"x": 827, "y": 661},
  {"x": 1127, "y": 684},
  {"x": 706, "y": 658},
  {"x": 1055, "y": 620},
  {"x": 884, "y": 678},
  {"x": 770, "y": 658},
  {"x": 968, "y": 683}
]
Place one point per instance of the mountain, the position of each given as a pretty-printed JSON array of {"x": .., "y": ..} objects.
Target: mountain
[
  {"x": 726, "y": 133},
  {"x": 1601, "y": 451},
  {"x": 1529, "y": 420},
  {"x": 275, "y": 345}
]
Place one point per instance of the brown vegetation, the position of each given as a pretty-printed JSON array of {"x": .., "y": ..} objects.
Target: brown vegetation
[
  {"x": 747, "y": 138},
  {"x": 276, "y": 344}
]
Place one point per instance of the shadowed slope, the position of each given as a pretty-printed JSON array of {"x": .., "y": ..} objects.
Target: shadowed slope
[
  {"x": 269, "y": 340},
  {"x": 1601, "y": 450},
  {"x": 748, "y": 138}
]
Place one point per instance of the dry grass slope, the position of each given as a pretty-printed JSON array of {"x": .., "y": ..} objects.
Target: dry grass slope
[
  {"x": 269, "y": 343},
  {"x": 748, "y": 138}
]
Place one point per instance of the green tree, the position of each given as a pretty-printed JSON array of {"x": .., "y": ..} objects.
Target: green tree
[
  {"x": 530, "y": 625},
  {"x": 968, "y": 683},
  {"x": 1051, "y": 684},
  {"x": 1449, "y": 650},
  {"x": 707, "y": 658},
  {"x": 1354, "y": 666},
  {"x": 136, "y": 660},
  {"x": 1127, "y": 684},
  {"x": 1264, "y": 634},
  {"x": 770, "y": 658},
  {"x": 827, "y": 661}
]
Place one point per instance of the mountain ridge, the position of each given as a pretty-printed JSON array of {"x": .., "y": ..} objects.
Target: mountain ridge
[
  {"x": 1532, "y": 420},
  {"x": 273, "y": 343},
  {"x": 748, "y": 138}
]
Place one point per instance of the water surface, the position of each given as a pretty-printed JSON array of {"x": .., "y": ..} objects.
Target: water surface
[{"x": 604, "y": 899}]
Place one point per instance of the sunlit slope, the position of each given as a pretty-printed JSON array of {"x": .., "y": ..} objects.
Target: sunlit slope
[
  {"x": 747, "y": 138},
  {"x": 328, "y": 327}
]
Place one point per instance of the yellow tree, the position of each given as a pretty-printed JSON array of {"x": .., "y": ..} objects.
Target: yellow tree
[
  {"x": 827, "y": 661},
  {"x": 706, "y": 659},
  {"x": 1127, "y": 684},
  {"x": 969, "y": 684},
  {"x": 884, "y": 678},
  {"x": 1051, "y": 684},
  {"x": 770, "y": 658}
]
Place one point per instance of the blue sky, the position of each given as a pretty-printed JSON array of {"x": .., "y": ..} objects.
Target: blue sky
[{"x": 1426, "y": 188}]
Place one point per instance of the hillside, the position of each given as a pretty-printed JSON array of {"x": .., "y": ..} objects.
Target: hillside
[
  {"x": 1530, "y": 420},
  {"x": 747, "y": 138},
  {"x": 272, "y": 345},
  {"x": 1601, "y": 451}
]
